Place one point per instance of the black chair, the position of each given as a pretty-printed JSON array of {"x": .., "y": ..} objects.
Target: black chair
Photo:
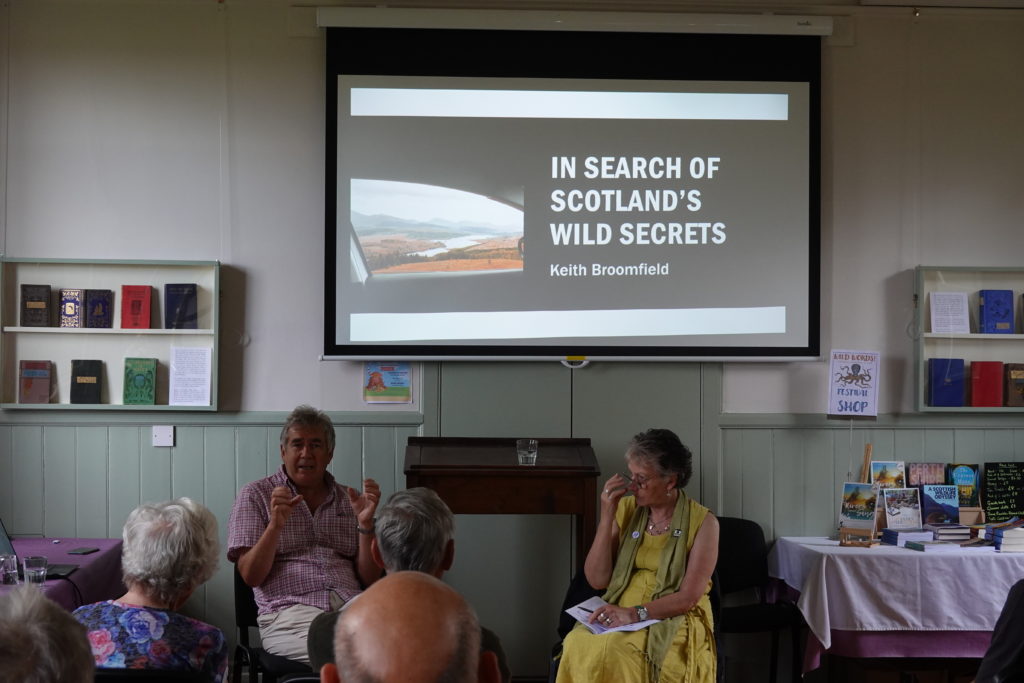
[
  {"x": 258, "y": 661},
  {"x": 743, "y": 566},
  {"x": 149, "y": 676}
]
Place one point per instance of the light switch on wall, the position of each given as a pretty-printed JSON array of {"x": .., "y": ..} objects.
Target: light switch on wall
[{"x": 163, "y": 435}]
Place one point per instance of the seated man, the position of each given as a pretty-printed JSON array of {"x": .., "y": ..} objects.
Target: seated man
[
  {"x": 409, "y": 627},
  {"x": 1004, "y": 660},
  {"x": 414, "y": 532},
  {"x": 301, "y": 540},
  {"x": 40, "y": 642}
]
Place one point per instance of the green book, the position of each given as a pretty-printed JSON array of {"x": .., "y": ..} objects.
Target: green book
[{"x": 139, "y": 381}]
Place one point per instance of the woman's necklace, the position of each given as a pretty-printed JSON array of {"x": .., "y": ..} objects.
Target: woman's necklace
[{"x": 660, "y": 527}]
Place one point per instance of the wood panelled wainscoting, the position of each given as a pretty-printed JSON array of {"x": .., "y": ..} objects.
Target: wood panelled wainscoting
[{"x": 80, "y": 475}]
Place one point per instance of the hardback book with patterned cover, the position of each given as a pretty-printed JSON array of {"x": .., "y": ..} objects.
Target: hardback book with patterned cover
[
  {"x": 1014, "y": 389},
  {"x": 86, "y": 381},
  {"x": 181, "y": 311},
  {"x": 967, "y": 480},
  {"x": 71, "y": 301},
  {"x": 140, "y": 381},
  {"x": 99, "y": 308},
  {"x": 136, "y": 304},
  {"x": 35, "y": 306},
  {"x": 995, "y": 311},
  {"x": 940, "y": 503},
  {"x": 902, "y": 508},
  {"x": 987, "y": 383},
  {"x": 34, "y": 381}
]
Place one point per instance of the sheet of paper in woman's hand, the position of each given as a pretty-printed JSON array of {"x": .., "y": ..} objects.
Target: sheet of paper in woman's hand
[{"x": 583, "y": 611}]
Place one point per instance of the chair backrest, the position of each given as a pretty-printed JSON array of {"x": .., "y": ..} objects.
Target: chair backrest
[
  {"x": 245, "y": 608},
  {"x": 742, "y": 555},
  {"x": 149, "y": 676}
]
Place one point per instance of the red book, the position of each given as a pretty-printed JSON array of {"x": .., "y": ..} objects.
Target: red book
[
  {"x": 987, "y": 383},
  {"x": 34, "y": 383},
  {"x": 135, "y": 306}
]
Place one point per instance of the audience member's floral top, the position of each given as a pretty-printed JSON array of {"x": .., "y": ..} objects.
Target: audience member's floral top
[{"x": 129, "y": 637}]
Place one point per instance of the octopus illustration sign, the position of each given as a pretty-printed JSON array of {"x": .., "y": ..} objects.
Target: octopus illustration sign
[{"x": 853, "y": 384}]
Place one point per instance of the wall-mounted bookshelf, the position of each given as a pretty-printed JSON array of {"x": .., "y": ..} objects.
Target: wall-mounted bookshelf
[{"x": 111, "y": 345}]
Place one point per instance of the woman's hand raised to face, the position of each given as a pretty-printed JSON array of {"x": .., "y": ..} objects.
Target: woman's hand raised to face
[{"x": 614, "y": 489}]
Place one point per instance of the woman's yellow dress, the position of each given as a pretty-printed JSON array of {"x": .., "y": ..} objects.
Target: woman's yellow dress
[{"x": 620, "y": 657}]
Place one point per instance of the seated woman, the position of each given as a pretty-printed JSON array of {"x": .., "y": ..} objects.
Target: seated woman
[
  {"x": 169, "y": 550},
  {"x": 654, "y": 553}
]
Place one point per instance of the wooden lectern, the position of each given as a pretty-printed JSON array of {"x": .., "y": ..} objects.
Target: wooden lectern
[{"x": 482, "y": 476}]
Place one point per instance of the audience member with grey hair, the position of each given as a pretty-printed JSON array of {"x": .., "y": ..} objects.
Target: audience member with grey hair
[
  {"x": 169, "y": 550},
  {"x": 40, "y": 642},
  {"x": 414, "y": 530}
]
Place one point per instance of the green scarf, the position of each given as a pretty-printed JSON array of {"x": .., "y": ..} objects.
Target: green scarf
[{"x": 667, "y": 580}]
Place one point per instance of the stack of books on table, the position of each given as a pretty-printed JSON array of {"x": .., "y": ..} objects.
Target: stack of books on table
[
  {"x": 949, "y": 531},
  {"x": 899, "y": 537},
  {"x": 1009, "y": 539},
  {"x": 989, "y": 532},
  {"x": 932, "y": 546}
]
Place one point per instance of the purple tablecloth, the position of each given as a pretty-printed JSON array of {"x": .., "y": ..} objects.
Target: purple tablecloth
[{"x": 98, "y": 576}]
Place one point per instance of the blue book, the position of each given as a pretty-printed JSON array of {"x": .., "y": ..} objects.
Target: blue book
[
  {"x": 940, "y": 503},
  {"x": 945, "y": 381},
  {"x": 180, "y": 306},
  {"x": 99, "y": 304},
  {"x": 995, "y": 311}
]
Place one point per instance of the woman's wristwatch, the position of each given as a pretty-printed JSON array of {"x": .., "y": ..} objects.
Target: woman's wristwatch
[{"x": 641, "y": 613}]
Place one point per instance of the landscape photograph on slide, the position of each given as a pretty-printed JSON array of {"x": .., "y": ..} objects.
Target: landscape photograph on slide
[{"x": 416, "y": 228}]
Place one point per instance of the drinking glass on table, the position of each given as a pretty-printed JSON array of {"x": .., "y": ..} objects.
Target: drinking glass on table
[
  {"x": 9, "y": 570},
  {"x": 526, "y": 449},
  {"x": 35, "y": 569}
]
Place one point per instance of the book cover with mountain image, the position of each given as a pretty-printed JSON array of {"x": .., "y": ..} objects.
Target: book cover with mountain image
[
  {"x": 940, "y": 503},
  {"x": 416, "y": 228}
]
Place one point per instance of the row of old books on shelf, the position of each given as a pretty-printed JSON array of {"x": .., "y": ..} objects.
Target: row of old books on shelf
[
  {"x": 933, "y": 502},
  {"x": 95, "y": 307},
  {"x": 950, "y": 313},
  {"x": 36, "y": 383},
  {"x": 988, "y": 383}
]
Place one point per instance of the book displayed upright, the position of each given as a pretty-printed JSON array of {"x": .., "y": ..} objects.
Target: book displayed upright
[
  {"x": 946, "y": 382},
  {"x": 1013, "y": 388},
  {"x": 86, "y": 381},
  {"x": 995, "y": 311},
  {"x": 940, "y": 503},
  {"x": 35, "y": 306},
  {"x": 99, "y": 308},
  {"x": 71, "y": 301},
  {"x": 136, "y": 305},
  {"x": 857, "y": 509},
  {"x": 181, "y": 310},
  {"x": 34, "y": 381},
  {"x": 966, "y": 478},
  {"x": 902, "y": 508},
  {"x": 920, "y": 473},
  {"x": 888, "y": 474},
  {"x": 139, "y": 381},
  {"x": 987, "y": 383}
]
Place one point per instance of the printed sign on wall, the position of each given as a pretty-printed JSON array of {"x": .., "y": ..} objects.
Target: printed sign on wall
[{"x": 853, "y": 383}]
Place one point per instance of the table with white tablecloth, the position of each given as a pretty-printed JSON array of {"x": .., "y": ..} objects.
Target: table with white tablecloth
[{"x": 886, "y": 601}]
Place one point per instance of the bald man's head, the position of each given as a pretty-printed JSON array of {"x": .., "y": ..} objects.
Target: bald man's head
[{"x": 408, "y": 627}]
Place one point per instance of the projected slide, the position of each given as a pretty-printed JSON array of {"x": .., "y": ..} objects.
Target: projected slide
[{"x": 572, "y": 211}]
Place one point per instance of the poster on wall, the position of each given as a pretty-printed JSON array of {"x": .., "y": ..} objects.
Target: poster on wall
[
  {"x": 853, "y": 384},
  {"x": 387, "y": 382}
]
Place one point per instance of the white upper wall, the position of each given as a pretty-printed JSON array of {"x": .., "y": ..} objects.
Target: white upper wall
[{"x": 195, "y": 130}]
